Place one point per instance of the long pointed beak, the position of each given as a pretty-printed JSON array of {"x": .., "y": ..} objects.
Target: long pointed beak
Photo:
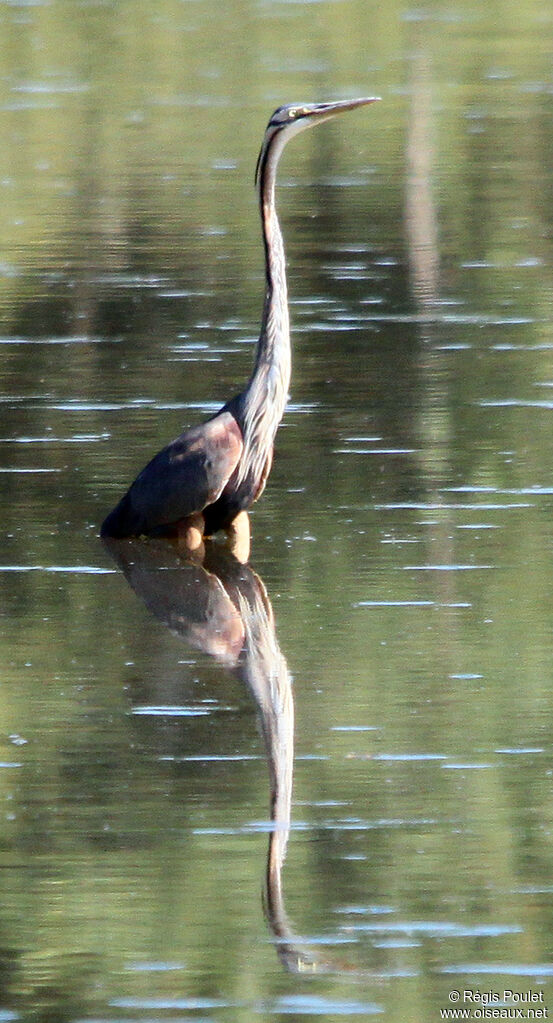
[{"x": 324, "y": 110}]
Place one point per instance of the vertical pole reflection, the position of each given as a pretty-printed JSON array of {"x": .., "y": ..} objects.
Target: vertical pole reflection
[
  {"x": 222, "y": 608},
  {"x": 422, "y": 235}
]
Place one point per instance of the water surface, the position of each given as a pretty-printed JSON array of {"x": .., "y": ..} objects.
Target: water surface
[{"x": 319, "y": 785}]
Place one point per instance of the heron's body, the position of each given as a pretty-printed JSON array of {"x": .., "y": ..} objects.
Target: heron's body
[{"x": 206, "y": 478}]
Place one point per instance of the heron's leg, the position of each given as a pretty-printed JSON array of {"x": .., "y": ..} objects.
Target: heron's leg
[
  {"x": 239, "y": 537},
  {"x": 191, "y": 532}
]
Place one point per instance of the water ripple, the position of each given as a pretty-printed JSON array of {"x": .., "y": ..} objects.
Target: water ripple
[
  {"x": 502, "y": 969},
  {"x": 317, "y": 1005},
  {"x": 177, "y": 710},
  {"x": 434, "y": 928},
  {"x": 71, "y": 569}
]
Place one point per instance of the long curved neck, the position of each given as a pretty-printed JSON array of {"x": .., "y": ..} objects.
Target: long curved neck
[
  {"x": 267, "y": 391},
  {"x": 273, "y": 348}
]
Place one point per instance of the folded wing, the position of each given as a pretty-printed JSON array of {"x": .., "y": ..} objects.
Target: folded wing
[{"x": 183, "y": 478}]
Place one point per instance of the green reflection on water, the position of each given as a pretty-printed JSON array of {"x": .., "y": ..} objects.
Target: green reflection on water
[{"x": 419, "y": 244}]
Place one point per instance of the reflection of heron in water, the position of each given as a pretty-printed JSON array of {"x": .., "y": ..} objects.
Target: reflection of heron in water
[
  {"x": 222, "y": 608},
  {"x": 208, "y": 477}
]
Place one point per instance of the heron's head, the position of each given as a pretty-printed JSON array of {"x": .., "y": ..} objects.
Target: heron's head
[{"x": 289, "y": 120}]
